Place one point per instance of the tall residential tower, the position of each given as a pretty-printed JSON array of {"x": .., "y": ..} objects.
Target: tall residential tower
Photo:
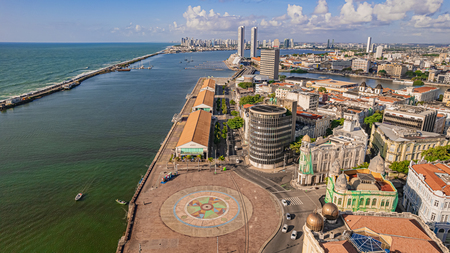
[
  {"x": 253, "y": 42},
  {"x": 270, "y": 61},
  {"x": 369, "y": 41},
  {"x": 241, "y": 46}
]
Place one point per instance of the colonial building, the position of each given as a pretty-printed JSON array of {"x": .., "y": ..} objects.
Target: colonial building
[
  {"x": 331, "y": 231},
  {"x": 365, "y": 90},
  {"x": 421, "y": 93},
  {"x": 361, "y": 189},
  {"x": 194, "y": 139},
  {"x": 427, "y": 194},
  {"x": 394, "y": 70},
  {"x": 396, "y": 144},
  {"x": 347, "y": 145},
  {"x": 311, "y": 124}
]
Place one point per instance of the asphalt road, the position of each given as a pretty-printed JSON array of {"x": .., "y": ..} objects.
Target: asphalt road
[{"x": 301, "y": 204}]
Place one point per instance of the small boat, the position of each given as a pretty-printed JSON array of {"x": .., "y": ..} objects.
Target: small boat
[
  {"x": 78, "y": 197},
  {"x": 120, "y": 70},
  {"x": 121, "y": 202}
]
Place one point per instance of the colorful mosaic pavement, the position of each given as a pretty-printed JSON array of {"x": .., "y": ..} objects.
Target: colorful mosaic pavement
[{"x": 205, "y": 211}]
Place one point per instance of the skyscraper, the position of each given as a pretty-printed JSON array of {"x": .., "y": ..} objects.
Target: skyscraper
[
  {"x": 270, "y": 61},
  {"x": 253, "y": 42},
  {"x": 276, "y": 43},
  {"x": 328, "y": 43},
  {"x": 379, "y": 52},
  {"x": 264, "y": 43},
  {"x": 291, "y": 43},
  {"x": 241, "y": 37},
  {"x": 286, "y": 43},
  {"x": 369, "y": 40}
]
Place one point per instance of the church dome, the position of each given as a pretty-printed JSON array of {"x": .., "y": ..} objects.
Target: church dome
[
  {"x": 330, "y": 211},
  {"x": 379, "y": 86},
  {"x": 341, "y": 182},
  {"x": 377, "y": 164},
  {"x": 306, "y": 138},
  {"x": 314, "y": 222},
  {"x": 363, "y": 84}
]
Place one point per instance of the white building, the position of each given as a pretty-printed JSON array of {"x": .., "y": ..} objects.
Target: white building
[
  {"x": 379, "y": 53},
  {"x": 424, "y": 93},
  {"x": 241, "y": 36},
  {"x": 363, "y": 64},
  {"x": 253, "y": 42},
  {"x": 369, "y": 40},
  {"x": 427, "y": 194}
]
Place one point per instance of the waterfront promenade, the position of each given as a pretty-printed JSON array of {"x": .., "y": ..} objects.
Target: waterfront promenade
[{"x": 152, "y": 227}]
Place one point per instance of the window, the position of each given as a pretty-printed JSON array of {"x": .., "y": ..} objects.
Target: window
[
  {"x": 340, "y": 201},
  {"x": 390, "y": 158},
  {"x": 354, "y": 202},
  {"x": 433, "y": 216},
  {"x": 349, "y": 202},
  {"x": 445, "y": 205},
  {"x": 374, "y": 202},
  {"x": 361, "y": 201},
  {"x": 387, "y": 203},
  {"x": 436, "y": 203},
  {"x": 367, "y": 202},
  {"x": 382, "y": 203},
  {"x": 408, "y": 148},
  {"x": 392, "y": 149}
]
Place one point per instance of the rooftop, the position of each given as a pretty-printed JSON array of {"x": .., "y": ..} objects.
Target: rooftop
[
  {"x": 205, "y": 97},
  {"x": 436, "y": 176},
  {"x": 197, "y": 128},
  {"x": 422, "y": 89},
  {"x": 401, "y": 134},
  {"x": 268, "y": 109},
  {"x": 209, "y": 83},
  {"x": 335, "y": 83},
  {"x": 308, "y": 115}
]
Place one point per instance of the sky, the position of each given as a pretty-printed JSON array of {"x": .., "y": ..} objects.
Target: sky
[{"x": 386, "y": 21}]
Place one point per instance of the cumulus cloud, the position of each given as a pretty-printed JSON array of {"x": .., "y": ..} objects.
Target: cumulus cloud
[
  {"x": 351, "y": 15},
  {"x": 199, "y": 19},
  {"x": 295, "y": 12},
  {"x": 392, "y": 10},
  {"x": 423, "y": 21},
  {"x": 322, "y": 7}
]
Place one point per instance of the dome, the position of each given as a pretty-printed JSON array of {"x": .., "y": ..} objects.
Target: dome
[
  {"x": 341, "y": 182},
  {"x": 379, "y": 86},
  {"x": 330, "y": 211},
  {"x": 314, "y": 222},
  {"x": 306, "y": 138},
  {"x": 377, "y": 164},
  {"x": 363, "y": 84}
]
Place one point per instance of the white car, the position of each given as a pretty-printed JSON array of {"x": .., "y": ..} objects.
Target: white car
[
  {"x": 285, "y": 228},
  {"x": 294, "y": 235},
  {"x": 237, "y": 160},
  {"x": 284, "y": 202},
  {"x": 288, "y": 216}
]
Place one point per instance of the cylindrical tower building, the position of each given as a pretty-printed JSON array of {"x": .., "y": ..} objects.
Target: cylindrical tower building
[{"x": 270, "y": 133}]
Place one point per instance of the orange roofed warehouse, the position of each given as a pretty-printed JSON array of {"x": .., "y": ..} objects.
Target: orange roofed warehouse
[{"x": 194, "y": 139}]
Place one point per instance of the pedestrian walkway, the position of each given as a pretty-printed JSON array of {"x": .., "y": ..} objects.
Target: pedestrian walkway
[{"x": 294, "y": 201}]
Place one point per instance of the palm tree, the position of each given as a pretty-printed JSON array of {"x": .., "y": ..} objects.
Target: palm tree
[
  {"x": 199, "y": 157},
  {"x": 221, "y": 158}
]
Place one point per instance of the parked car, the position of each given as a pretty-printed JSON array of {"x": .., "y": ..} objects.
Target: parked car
[
  {"x": 288, "y": 216},
  {"x": 285, "y": 228},
  {"x": 294, "y": 235},
  {"x": 284, "y": 202}
]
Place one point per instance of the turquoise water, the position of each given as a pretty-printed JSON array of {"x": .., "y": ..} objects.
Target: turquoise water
[{"x": 97, "y": 138}]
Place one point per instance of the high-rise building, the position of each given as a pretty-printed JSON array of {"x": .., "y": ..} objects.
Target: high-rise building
[
  {"x": 241, "y": 37},
  {"x": 270, "y": 61},
  {"x": 276, "y": 43},
  {"x": 291, "y": 43},
  {"x": 332, "y": 44},
  {"x": 369, "y": 41},
  {"x": 328, "y": 43},
  {"x": 286, "y": 43},
  {"x": 253, "y": 42},
  {"x": 264, "y": 43},
  {"x": 379, "y": 51}
]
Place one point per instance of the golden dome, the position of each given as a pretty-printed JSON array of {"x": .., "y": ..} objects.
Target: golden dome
[
  {"x": 306, "y": 138},
  {"x": 330, "y": 211},
  {"x": 314, "y": 221}
]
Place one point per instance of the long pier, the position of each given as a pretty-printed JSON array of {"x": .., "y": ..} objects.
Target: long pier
[{"x": 67, "y": 85}]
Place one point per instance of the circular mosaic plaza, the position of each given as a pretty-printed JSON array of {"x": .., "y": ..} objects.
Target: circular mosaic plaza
[{"x": 205, "y": 211}]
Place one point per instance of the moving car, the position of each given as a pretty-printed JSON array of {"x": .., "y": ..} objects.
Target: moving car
[
  {"x": 288, "y": 216},
  {"x": 294, "y": 235},
  {"x": 284, "y": 202}
]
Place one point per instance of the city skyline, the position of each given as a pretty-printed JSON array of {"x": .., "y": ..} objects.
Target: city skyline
[{"x": 391, "y": 21}]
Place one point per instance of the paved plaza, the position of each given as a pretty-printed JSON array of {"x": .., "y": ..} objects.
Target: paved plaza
[{"x": 204, "y": 212}]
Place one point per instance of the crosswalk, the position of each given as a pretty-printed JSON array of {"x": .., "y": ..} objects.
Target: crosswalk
[{"x": 294, "y": 201}]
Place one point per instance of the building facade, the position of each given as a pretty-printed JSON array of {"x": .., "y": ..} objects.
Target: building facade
[
  {"x": 361, "y": 189},
  {"x": 270, "y": 62},
  {"x": 270, "y": 132},
  {"x": 241, "y": 45},
  {"x": 414, "y": 117},
  {"x": 421, "y": 93},
  {"x": 347, "y": 145},
  {"x": 253, "y": 42},
  {"x": 363, "y": 64},
  {"x": 394, "y": 70},
  {"x": 427, "y": 194},
  {"x": 396, "y": 144},
  {"x": 194, "y": 139}
]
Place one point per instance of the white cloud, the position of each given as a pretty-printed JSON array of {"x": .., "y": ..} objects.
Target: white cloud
[
  {"x": 393, "y": 10},
  {"x": 423, "y": 21},
  {"x": 138, "y": 28},
  {"x": 322, "y": 7},
  {"x": 350, "y": 15},
  {"x": 296, "y": 15}
]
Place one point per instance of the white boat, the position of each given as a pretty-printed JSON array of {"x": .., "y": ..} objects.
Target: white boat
[{"x": 78, "y": 197}]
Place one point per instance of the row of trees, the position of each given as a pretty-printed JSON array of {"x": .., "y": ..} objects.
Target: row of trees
[{"x": 251, "y": 99}]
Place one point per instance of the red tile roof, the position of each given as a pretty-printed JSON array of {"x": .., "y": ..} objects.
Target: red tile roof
[
  {"x": 431, "y": 179},
  {"x": 338, "y": 247},
  {"x": 308, "y": 115},
  {"x": 247, "y": 106}
]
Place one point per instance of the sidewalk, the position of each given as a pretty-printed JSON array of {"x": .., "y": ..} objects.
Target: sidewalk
[{"x": 276, "y": 170}]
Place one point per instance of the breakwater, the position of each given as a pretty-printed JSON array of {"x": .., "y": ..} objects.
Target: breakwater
[{"x": 66, "y": 85}]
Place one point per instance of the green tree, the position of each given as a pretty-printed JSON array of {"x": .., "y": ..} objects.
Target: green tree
[
  {"x": 246, "y": 85},
  {"x": 295, "y": 146},
  {"x": 437, "y": 153},
  {"x": 401, "y": 167},
  {"x": 362, "y": 166},
  {"x": 382, "y": 72},
  {"x": 232, "y": 102},
  {"x": 189, "y": 157},
  {"x": 418, "y": 83},
  {"x": 299, "y": 71},
  {"x": 272, "y": 95},
  {"x": 282, "y": 78},
  {"x": 235, "y": 123},
  {"x": 221, "y": 158},
  {"x": 376, "y": 117},
  {"x": 441, "y": 97},
  {"x": 234, "y": 113},
  {"x": 322, "y": 89},
  {"x": 410, "y": 74},
  {"x": 251, "y": 99}
]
